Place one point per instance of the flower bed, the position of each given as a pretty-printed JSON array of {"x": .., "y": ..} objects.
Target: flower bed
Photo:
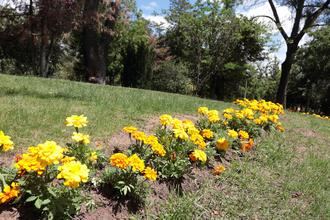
[{"x": 54, "y": 181}]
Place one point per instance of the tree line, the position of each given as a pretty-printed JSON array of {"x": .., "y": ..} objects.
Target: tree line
[{"x": 207, "y": 49}]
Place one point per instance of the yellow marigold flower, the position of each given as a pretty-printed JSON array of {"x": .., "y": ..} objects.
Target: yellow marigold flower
[
  {"x": 136, "y": 163},
  {"x": 93, "y": 157},
  {"x": 5, "y": 142},
  {"x": 158, "y": 149},
  {"x": 73, "y": 173},
  {"x": 263, "y": 119},
  {"x": 81, "y": 138},
  {"x": 180, "y": 134},
  {"x": 129, "y": 129},
  {"x": 229, "y": 110},
  {"x": 207, "y": 133},
  {"x": 176, "y": 124},
  {"x": 48, "y": 153},
  {"x": 243, "y": 134},
  {"x": 150, "y": 174},
  {"x": 139, "y": 136},
  {"x": 222, "y": 144},
  {"x": 228, "y": 116},
  {"x": 198, "y": 140},
  {"x": 67, "y": 159},
  {"x": 239, "y": 115},
  {"x": 213, "y": 116},
  {"x": 257, "y": 121},
  {"x": 29, "y": 163},
  {"x": 198, "y": 155},
  {"x": 218, "y": 170},
  {"x": 193, "y": 131},
  {"x": 119, "y": 160},
  {"x": 273, "y": 118},
  {"x": 188, "y": 124},
  {"x": 165, "y": 119},
  {"x": 203, "y": 110},
  {"x": 9, "y": 193},
  {"x": 77, "y": 121},
  {"x": 232, "y": 134},
  {"x": 151, "y": 140}
]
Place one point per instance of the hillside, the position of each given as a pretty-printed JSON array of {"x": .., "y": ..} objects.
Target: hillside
[{"x": 285, "y": 177}]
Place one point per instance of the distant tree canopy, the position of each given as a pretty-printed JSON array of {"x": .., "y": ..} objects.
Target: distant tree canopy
[{"x": 206, "y": 49}]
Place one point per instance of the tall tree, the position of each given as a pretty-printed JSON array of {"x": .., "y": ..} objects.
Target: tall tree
[
  {"x": 307, "y": 14},
  {"x": 99, "y": 18}
]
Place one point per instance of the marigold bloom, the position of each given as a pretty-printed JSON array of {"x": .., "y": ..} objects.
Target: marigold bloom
[
  {"x": 280, "y": 128},
  {"x": 136, "y": 163},
  {"x": 232, "y": 134},
  {"x": 198, "y": 155},
  {"x": 213, "y": 116},
  {"x": 158, "y": 149},
  {"x": 165, "y": 119},
  {"x": 73, "y": 173},
  {"x": 218, "y": 170},
  {"x": 129, "y": 129},
  {"x": 150, "y": 174},
  {"x": 80, "y": 138},
  {"x": 150, "y": 140},
  {"x": 38, "y": 158},
  {"x": 247, "y": 146},
  {"x": 119, "y": 160},
  {"x": 177, "y": 123},
  {"x": 228, "y": 116},
  {"x": 139, "y": 136},
  {"x": 203, "y": 110},
  {"x": 93, "y": 157},
  {"x": 207, "y": 133},
  {"x": 222, "y": 144},
  {"x": 5, "y": 142},
  {"x": 180, "y": 134},
  {"x": 77, "y": 121},
  {"x": 9, "y": 193},
  {"x": 243, "y": 134}
]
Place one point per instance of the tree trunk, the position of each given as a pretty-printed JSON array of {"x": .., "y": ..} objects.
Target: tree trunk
[
  {"x": 93, "y": 52},
  {"x": 285, "y": 73},
  {"x": 43, "y": 50}
]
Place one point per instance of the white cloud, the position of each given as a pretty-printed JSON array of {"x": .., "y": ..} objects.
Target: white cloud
[
  {"x": 150, "y": 6},
  {"x": 158, "y": 19}
]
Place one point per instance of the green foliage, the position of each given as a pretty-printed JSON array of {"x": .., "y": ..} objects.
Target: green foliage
[
  {"x": 215, "y": 43},
  {"x": 310, "y": 82},
  {"x": 172, "y": 77}
]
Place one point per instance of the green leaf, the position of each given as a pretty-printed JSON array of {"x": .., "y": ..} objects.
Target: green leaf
[
  {"x": 31, "y": 198},
  {"x": 46, "y": 201},
  {"x": 38, "y": 203}
]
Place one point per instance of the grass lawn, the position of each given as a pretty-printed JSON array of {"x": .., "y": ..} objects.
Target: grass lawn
[{"x": 286, "y": 177}]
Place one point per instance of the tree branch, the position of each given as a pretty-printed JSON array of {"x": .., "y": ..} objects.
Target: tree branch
[
  {"x": 277, "y": 20},
  {"x": 312, "y": 18}
]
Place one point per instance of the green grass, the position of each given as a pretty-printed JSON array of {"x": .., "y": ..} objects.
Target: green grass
[
  {"x": 286, "y": 177},
  {"x": 33, "y": 110}
]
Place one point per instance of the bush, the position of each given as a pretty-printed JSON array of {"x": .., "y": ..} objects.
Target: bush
[{"x": 172, "y": 77}]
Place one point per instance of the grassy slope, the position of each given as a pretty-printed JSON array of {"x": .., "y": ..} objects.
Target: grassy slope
[
  {"x": 286, "y": 177},
  {"x": 33, "y": 109}
]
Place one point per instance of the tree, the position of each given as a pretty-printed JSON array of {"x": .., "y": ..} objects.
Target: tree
[
  {"x": 99, "y": 19},
  {"x": 309, "y": 86},
  {"x": 214, "y": 43},
  {"x": 307, "y": 12}
]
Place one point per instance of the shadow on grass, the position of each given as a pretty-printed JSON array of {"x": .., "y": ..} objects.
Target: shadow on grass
[{"x": 41, "y": 95}]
